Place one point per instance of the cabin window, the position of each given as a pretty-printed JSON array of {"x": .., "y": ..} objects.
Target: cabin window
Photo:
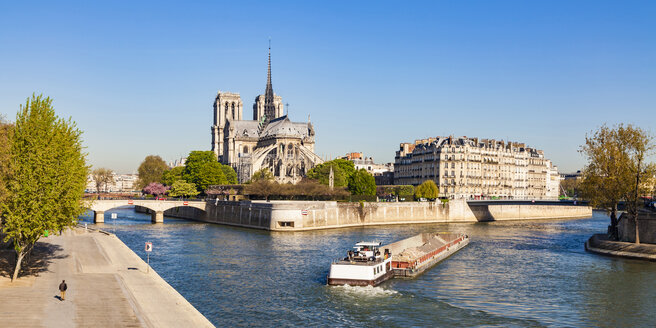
[
  {"x": 286, "y": 224},
  {"x": 374, "y": 271}
]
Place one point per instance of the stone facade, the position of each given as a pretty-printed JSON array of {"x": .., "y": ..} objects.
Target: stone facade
[
  {"x": 473, "y": 168},
  {"x": 269, "y": 141}
]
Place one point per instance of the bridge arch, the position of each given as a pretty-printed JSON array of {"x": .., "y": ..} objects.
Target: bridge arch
[{"x": 157, "y": 207}]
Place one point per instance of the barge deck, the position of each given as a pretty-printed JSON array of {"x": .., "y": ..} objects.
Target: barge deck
[{"x": 412, "y": 256}]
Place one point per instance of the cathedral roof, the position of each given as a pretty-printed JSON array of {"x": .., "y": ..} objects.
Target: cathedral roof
[
  {"x": 283, "y": 127},
  {"x": 246, "y": 129}
]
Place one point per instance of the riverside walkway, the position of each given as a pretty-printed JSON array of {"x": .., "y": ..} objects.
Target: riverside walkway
[
  {"x": 600, "y": 244},
  {"x": 108, "y": 286}
]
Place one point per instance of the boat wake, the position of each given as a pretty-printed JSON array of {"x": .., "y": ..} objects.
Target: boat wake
[{"x": 370, "y": 291}]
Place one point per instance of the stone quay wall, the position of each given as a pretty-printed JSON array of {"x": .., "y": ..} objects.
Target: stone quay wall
[
  {"x": 314, "y": 215},
  {"x": 646, "y": 227}
]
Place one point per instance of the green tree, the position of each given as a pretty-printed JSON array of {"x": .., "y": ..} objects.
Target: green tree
[
  {"x": 230, "y": 174},
  {"x": 428, "y": 189},
  {"x": 182, "y": 188},
  {"x": 151, "y": 170},
  {"x": 203, "y": 170},
  {"x": 342, "y": 169},
  {"x": 362, "y": 182},
  {"x": 47, "y": 176},
  {"x": 405, "y": 191},
  {"x": 171, "y": 176},
  {"x": 639, "y": 145},
  {"x": 102, "y": 176},
  {"x": 5, "y": 130},
  {"x": 616, "y": 164},
  {"x": 262, "y": 174}
]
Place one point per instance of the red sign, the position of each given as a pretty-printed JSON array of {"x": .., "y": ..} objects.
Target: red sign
[
  {"x": 130, "y": 202},
  {"x": 149, "y": 247},
  {"x": 185, "y": 203}
]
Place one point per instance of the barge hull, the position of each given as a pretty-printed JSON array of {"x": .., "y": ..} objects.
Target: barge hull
[{"x": 356, "y": 282}]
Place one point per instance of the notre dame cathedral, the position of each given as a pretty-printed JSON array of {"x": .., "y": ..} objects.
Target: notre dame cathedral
[{"x": 269, "y": 141}]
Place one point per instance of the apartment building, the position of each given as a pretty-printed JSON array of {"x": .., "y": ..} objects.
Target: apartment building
[{"x": 474, "y": 168}]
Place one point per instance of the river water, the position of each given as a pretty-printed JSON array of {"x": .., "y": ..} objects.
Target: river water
[{"x": 522, "y": 274}]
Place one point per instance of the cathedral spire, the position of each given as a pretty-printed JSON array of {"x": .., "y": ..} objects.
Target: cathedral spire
[
  {"x": 268, "y": 85},
  {"x": 269, "y": 107}
]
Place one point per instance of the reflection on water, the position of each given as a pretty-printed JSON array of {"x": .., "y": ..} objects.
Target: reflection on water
[{"x": 532, "y": 273}]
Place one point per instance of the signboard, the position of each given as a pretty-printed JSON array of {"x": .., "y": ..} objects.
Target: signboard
[
  {"x": 304, "y": 212},
  {"x": 149, "y": 247},
  {"x": 130, "y": 202},
  {"x": 113, "y": 215}
]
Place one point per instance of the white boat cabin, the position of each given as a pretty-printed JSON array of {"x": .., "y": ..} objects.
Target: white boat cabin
[{"x": 363, "y": 266}]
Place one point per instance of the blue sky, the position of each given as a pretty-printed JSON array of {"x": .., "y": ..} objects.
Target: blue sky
[{"x": 139, "y": 78}]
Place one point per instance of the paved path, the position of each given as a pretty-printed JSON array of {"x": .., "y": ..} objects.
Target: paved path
[
  {"x": 600, "y": 244},
  {"x": 107, "y": 287}
]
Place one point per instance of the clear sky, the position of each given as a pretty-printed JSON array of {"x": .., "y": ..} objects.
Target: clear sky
[{"x": 139, "y": 78}]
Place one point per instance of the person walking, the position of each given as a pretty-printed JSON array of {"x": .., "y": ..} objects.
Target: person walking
[{"x": 62, "y": 289}]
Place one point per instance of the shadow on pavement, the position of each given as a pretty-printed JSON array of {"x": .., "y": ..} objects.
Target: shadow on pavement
[{"x": 38, "y": 261}]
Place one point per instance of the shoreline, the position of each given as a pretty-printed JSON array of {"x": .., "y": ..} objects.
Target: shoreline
[
  {"x": 600, "y": 244},
  {"x": 109, "y": 285}
]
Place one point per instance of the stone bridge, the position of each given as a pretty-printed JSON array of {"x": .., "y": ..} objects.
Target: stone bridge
[{"x": 156, "y": 206}]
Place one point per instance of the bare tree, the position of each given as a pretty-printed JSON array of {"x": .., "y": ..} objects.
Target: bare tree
[{"x": 102, "y": 177}]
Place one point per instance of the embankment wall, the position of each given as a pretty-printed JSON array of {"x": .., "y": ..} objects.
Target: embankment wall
[
  {"x": 646, "y": 228},
  {"x": 311, "y": 215}
]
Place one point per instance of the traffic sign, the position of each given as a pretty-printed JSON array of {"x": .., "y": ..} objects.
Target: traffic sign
[
  {"x": 149, "y": 247},
  {"x": 304, "y": 212},
  {"x": 185, "y": 203},
  {"x": 113, "y": 215},
  {"x": 130, "y": 202}
]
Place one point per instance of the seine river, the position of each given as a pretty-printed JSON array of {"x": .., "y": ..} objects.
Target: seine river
[{"x": 522, "y": 274}]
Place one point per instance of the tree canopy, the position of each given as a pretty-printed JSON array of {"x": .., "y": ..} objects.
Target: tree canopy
[
  {"x": 362, "y": 182},
  {"x": 46, "y": 177},
  {"x": 230, "y": 174},
  {"x": 342, "y": 170},
  {"x": 169, "y": 177},
  {"x": 5, "y": 130},
  {"x": 155, "y": 189},
  {"x": 183, "y": 188},
  {"x": 616, "y": 163},
  {"x": 151, "y": 170},
  {"x": 428, "y": 189},
  {"x": 203, "y": 170},
  {"x": 262, "y": 174}
]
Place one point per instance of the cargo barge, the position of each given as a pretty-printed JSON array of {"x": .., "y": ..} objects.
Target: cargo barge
[
  {"x": 406, "y": 258},
  {"x": 414, "y": 255}
]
